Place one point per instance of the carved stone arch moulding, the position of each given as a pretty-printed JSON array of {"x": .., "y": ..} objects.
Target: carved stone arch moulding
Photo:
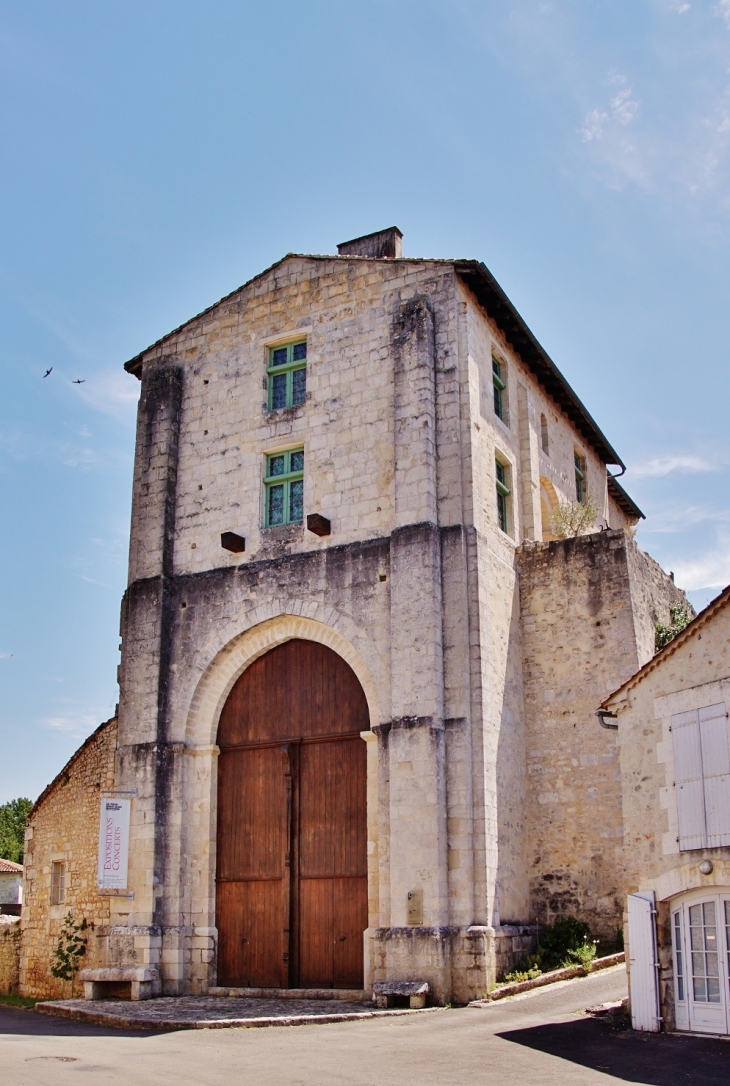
[{"x": 232, "y": 660}]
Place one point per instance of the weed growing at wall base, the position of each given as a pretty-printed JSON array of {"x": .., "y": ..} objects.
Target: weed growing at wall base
[
  {"x": 70, "y": 949},
  {"x": 567, "y": 942}
]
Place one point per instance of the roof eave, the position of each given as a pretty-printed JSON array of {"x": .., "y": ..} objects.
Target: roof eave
[
  {"x": 720, "y": 601},
  {"x": 623, "y": 500},
  {"x": 495, "y": 302}
]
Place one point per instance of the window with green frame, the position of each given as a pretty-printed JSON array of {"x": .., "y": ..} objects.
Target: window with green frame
[
  {"x": 500, "y": 389},
  {"x": 284, "y": 488},
  {"x": 580, "y": 477},
  {"x": 503, "y": 493},
  {"x": 287, "y": 372}
]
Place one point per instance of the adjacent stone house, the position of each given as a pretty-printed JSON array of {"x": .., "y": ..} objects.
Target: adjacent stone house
[
  {"x": 11, "y": 886},
  {"x": 61, "y": 864},
  {"x": 358, "y": 670},
  {"x": 671, "y": 720}
]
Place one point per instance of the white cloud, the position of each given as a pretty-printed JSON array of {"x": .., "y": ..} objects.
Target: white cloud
[
  {"x": 681, "y": 7},
  {"x": 708, "y": 570},
  {"x": 5, "y": 655},
  {"x": 723, "y": 9},
  {"x": 112, "y": 391},
  {"x": 77, "y": 725},
  {"x": 660, "y": 466},
  {"x": 681, "y": 517},
  {"x": 593, "y": 125},
  {"x": 90, "y": 580},
  {"x": 80, "y": 458},
  {"x": 621, "y": 110}
]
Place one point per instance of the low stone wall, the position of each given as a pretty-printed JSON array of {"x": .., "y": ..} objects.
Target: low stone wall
[
  {"x": 9, "y": 953},
  {"x": 512, "y": 943}
]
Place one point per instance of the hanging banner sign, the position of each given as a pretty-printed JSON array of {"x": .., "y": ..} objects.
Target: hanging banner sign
[{"x": 113, "y": 844}]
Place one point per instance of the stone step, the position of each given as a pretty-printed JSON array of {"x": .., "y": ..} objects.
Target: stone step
[{"x": 352, "y": 995}]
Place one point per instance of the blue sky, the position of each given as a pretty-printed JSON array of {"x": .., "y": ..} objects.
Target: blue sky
[{"x": 156, "y": 155}]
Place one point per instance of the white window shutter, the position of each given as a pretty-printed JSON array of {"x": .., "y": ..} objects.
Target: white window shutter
[
  {"x": 716, "y": 771},
  {"x": 688, "y": 779},
  {"x": 643, "y": 979}
]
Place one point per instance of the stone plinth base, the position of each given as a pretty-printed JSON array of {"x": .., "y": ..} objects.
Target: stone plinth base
[{"x": 458, "y": 964}]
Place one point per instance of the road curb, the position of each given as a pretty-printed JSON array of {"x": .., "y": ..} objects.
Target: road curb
[{"x": 569, "y": 973}]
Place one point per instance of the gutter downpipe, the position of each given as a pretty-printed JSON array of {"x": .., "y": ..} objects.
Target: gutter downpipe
[{"x": 602, "y": 714}]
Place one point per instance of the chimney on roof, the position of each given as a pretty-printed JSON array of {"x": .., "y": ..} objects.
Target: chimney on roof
[{"x": 386, "y": 243}]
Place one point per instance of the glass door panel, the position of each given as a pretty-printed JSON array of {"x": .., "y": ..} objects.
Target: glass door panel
[
  {"x": 705, "y": 983},
  {"x": 681, "y": 1010}
]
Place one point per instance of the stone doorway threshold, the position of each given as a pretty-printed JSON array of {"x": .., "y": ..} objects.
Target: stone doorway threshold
[{"x": 216, "y": 1012}]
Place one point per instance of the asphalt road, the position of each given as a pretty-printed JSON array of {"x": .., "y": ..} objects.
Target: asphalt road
[{"x": 542, "y": 1038}]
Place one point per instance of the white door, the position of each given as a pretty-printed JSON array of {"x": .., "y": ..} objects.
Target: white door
[
  {"x": 643, "y": 962},
  {"x": 701, "y": 938}
]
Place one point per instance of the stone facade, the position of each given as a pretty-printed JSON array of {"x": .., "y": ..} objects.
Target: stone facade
[
  {"x": 417, "y": 587},
  {"x": 692, "y": 672},
  {"x": 63, "y": 828}
]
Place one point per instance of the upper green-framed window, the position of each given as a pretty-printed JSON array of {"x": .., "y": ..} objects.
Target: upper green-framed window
[
  {"x": 284, "y": 488},
  {"x": 499, "y": 382},
  {"x": 503, "y": 494},
  {"x": 580, "y": 477},
  {"x": 287, "y": 370}
]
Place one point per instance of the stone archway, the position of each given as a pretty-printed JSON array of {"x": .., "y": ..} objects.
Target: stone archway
[
  {"x": 291, "y": 879},
  {"x": 548, "y": 505},
  {"x": 217, "y": 679}
]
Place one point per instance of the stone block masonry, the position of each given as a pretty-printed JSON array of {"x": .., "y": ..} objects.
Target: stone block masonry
[
  {"x": 9, "y": 954},
  {"x": 588, "y": 611}
]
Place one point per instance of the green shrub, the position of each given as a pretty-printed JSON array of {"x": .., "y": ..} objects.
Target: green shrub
[
  {"x": 555, "y": 942},
  {"x": 567, "y": 942},
  {"x": 680, "y": 615}
]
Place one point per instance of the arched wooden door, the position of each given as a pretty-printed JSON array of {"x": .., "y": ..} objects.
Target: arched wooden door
[{"x": 291, "y": 883}]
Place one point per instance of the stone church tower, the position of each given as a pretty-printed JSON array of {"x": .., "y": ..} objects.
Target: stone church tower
[{"x": 358, "y": 672}]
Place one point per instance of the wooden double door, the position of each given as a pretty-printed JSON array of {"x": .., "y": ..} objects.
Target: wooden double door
[{"x": 291, "y": 884}]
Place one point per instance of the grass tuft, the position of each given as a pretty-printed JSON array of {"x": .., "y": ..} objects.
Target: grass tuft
[{"x": 14, "y": 1000}]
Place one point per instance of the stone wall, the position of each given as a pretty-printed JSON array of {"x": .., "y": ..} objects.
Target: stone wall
[
  {"x": 588, "y": 605},
  {"x": 64, "y": 827},
  {"x": 9, "y": 953}
]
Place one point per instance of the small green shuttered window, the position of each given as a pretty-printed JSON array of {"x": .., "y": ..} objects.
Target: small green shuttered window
[
  {"x": 580, "y": 477},
  {"x": 503, "y": 493},
  {"x": 287, "y": 371},
  {"x": 500, "y": 386},
  {"x": 284, "y": 486}
]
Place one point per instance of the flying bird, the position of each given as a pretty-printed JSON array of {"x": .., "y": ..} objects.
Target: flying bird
[
  {"x": 79, "y": 382},
  {"x": 48, "y": 371}
]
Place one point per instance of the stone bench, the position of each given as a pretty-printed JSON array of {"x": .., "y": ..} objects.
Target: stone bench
[
  {"x": 120, "y": 982},
  {"x": 385, "y": 991}
]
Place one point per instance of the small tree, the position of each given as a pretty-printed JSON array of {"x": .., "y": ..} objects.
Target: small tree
[
  {"x": 70, "y": 949},
  {"x": 13, "y": 816},
  {"x": 680, "y": 615},
  {"x": 573, "y": 518}
]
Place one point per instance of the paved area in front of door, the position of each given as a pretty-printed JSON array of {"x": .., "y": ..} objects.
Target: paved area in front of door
[
  {"x": 542, "y": 1038},
  {"x": 211, "y": 1012}
]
